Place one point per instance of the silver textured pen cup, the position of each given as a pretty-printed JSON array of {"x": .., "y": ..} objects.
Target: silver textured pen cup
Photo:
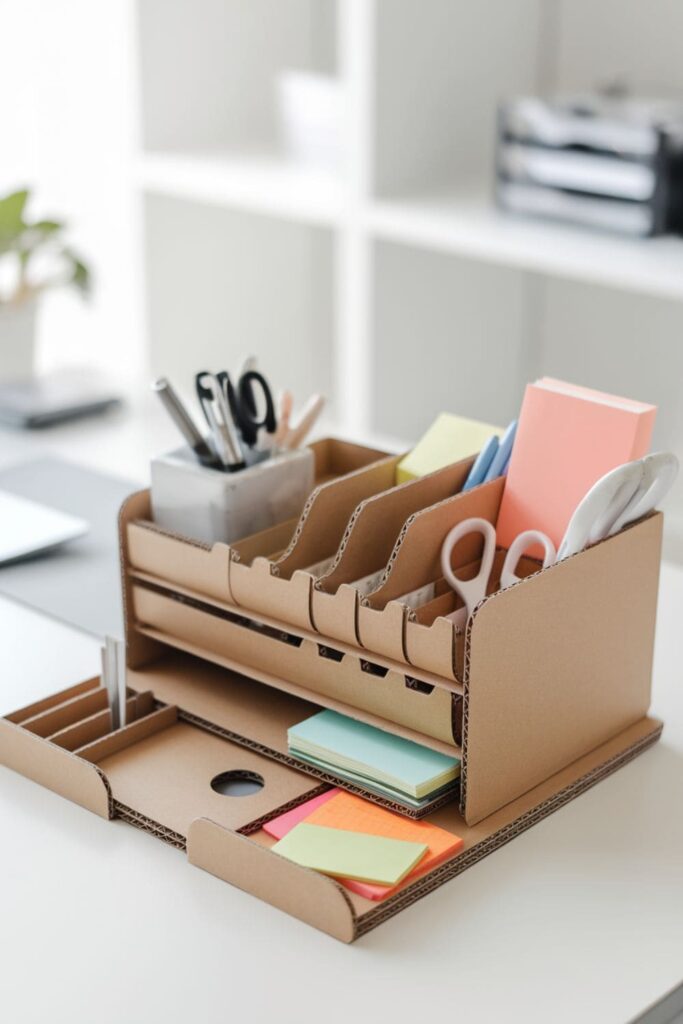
[{"x": 210, "y": 505}]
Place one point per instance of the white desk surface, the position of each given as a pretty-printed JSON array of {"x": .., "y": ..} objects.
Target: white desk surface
[{"x": 579, "y": 919}]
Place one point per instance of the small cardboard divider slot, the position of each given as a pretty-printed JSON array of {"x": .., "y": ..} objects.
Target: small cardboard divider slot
[
  {"x": 96, "y": 726},
  {"x": 113, "y": 742},
  {"x": 367, "y": 544},
  {"x": 75, "y": 709},
  {"x": 384, "y": 623},
  {"x": 18, "y": 717},
  {"x": 270, "y": 586},
  {"x": 216, "y": 634}
]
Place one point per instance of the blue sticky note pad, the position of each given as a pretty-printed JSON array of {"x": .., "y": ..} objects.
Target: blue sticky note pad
[
  {"x": 481, "y": 464},
  {"x": 502, "y": 456},
  {"x": 348, "y": 744}
]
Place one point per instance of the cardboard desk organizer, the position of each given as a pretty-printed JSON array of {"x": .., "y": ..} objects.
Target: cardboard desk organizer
[{"x": 545, "y": 693}]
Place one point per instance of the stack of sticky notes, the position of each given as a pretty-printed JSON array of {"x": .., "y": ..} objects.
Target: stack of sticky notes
[
  {"x": 449, "y": 439},
  {"x": 370, "y": 850},
  {"x": 568, "y": 437},
  {"x": 372, "y": 758}
]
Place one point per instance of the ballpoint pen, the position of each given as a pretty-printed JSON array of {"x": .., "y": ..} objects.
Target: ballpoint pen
[
  {"x": 214, "y": 404},
  {"x": 184, "y": 422}
]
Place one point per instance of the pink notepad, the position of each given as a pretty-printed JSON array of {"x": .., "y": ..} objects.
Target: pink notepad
[{"x": 568, "y": 437}]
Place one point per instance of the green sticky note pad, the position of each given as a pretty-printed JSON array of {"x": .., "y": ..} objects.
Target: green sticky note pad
[
  {"x": 449, "y": 439},
  {"x": 343, "y": 854}
]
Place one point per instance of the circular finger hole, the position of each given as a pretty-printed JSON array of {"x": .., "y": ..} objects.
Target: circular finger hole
[{"x": 237, "y": 783}]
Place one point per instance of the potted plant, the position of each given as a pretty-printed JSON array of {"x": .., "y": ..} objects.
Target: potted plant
[{"x": 33, "y": 258}]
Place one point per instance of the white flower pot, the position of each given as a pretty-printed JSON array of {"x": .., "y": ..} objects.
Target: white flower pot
[{"x": 17, "y": 340}]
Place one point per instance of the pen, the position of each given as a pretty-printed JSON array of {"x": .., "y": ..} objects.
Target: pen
[
  {"x": 184, "y": 422},
  {"x": 212, "y": 398},
  {"x": 310, "y": 413},
  {"x": 285, "y": 404}
]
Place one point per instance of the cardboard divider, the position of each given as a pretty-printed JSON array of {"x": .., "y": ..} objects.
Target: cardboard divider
[
  {"x": 128, "y": 735},
  {"x": 306, "y": 895},
  {"x": 367, "y": 544},
  {"x": 56, "y": 698},
  {"x": 286, "y": 583},
  {"x": 205, "y": 567},
  {"x": 415, "y": 563},
  {"x": 391, "y": 700},
  {"x": 87, "y": 730},
  {"x": 45, "y": 723}
]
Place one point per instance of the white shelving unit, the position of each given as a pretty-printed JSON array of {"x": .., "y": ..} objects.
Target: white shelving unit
[{"x": 393, "y": 284}]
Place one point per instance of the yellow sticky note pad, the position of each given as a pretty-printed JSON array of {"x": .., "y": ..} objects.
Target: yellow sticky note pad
[
  {"x": 356, "y": 855},
  {"x": 449, "y": 439}
]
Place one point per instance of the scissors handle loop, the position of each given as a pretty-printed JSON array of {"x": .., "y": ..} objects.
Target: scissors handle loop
[
  {"x": 474, "y": 590},
  {"x": 520, "y": 544}
]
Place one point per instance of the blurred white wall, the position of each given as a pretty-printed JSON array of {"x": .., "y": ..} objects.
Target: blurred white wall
[{"x": 68, "y": 130}]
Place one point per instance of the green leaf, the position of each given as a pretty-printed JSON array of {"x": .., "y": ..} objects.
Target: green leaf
[
  {"x": 80, "y": 276},
  {"x": 12, "y": 215},
  {"x": 47, "y": 227}
]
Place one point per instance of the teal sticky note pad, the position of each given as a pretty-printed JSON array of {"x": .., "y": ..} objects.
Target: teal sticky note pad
[
  {"x": 342, "y": 854},
  {"x": 346, "y": 742}
]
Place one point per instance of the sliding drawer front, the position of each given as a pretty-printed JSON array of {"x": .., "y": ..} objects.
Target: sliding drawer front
[
  {"x": 322, "y": 671},
  {"x": 367, "y": 545},
  {"x": 558, "y": 664}
]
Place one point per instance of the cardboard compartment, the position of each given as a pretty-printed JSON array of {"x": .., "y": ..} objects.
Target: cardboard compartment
[
  {"x": 205, "y": 567},
  {"x": 367, "y": 545},
  {"x": 281, "y": 584},
  {"x": 340, "y": 679},
  {"x": 248, "y": 863},
  {"x": 414, "y": 566}
]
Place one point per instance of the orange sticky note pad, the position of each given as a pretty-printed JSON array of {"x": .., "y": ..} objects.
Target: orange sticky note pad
[{"x": 351, "y": 813}]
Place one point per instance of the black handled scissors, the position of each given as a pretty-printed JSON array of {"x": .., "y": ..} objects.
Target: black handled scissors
[{"x": 244, "y": 406}]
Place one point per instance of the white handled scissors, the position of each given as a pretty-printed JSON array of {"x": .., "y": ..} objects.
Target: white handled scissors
[{"x": 618, "y": 498}]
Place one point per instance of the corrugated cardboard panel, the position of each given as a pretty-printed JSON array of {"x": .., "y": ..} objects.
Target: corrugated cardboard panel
[
  {"x": 368, "y": 542},
  {"x": 557, "y": 664},
  {"x": 73, "y": 710},
  {"x": 178, "y": 560},
  {"x": 306, "y": 895},
  {"x": 167, "y": 778},
  {"x": 54, "y": 768}
]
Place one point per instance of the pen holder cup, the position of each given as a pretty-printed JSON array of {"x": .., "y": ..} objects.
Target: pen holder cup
[{"x": 210, "y": 505}]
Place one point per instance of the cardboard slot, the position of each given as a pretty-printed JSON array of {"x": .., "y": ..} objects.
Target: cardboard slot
[
  {"x": 128, "y": 735},
  {"x": 414, "y": 564},
  {"x": 367, "y": 544},
  {"x": 67, "y": 713},
  {"x": 204, "y": 629},
  {"x": 56, "y": 698},
  {"x": 98, "y": 725},
  {"x": 268, "y": 586}
]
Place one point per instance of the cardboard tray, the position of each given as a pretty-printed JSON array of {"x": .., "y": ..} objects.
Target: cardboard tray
[{"x": 156, "y": 774}]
